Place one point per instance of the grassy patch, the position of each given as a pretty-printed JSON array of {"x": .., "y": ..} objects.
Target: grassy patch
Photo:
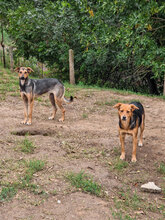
[
  {"x": 121, "y": 216},
  {"x": 85, "y": 183},
  {"x": 161, "y": 168},
  {"x": 26, "y": 146},
  {"x": 33, "y": 166},
  {"x": 85, "y": 115},
  {"x": 130, "y": 203},
  {"x": 119, "y": 165},
  {"x": 7, "y": 193},
  {"x": 114, "y": 101},
  {"x": 26, "y": 171}
]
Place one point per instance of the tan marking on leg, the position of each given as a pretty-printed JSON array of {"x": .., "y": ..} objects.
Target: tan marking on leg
[
  {"x": 25, "y": 100},
  {"x": 122, "y": 139},
  {"x": 52, "y": 100},
  {"x": 31, "y": 103},
  {"x": 59, "y": 103},
  {"x": 134, "y": 145},
  {"x": 141, "y": 131}
]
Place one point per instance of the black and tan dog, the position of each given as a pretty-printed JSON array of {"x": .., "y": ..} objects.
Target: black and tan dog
[
  {"x": 30, "y": 88},
  {"x": 131, "y": 117}
]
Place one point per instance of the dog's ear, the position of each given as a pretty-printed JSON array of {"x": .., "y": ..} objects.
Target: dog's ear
[
  {"x": 17, "y": 69},
  {"x": 29, "y": 70},
  {"x": 117, "y": 105},
  {"x": 133, "y": 107}
]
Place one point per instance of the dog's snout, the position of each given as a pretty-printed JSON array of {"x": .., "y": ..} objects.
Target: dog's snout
[{"x": 124, "y": 118}]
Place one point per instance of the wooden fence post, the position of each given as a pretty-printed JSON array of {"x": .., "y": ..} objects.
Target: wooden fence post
[{"x": 71, "y": 67}]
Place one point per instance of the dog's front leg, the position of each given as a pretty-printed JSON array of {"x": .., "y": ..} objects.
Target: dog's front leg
[
  {"x": 25, "y": 100},
  {"x": 31, "y": 103},
  {"x": 122, "y": 139},
  {"x": 134, "y": 147}
]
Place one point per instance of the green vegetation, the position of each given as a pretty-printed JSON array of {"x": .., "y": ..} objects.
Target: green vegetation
[
  {"x": 161, "y": 168},
  {"x": 33, "y": 166},
  {"x": 118, "y": 44},
  {"x": 85, "y": 183},
  {"x": 26, "y": 146},
  {"x": 7, "y": 193},
  {"x": 119, "y": 165},
  {"x": 9, "y": 189}
]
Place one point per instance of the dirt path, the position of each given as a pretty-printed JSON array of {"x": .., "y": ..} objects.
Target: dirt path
[{"x": 88, "y": 141}]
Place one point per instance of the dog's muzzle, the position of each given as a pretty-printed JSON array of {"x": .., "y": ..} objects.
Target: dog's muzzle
[
  {"x": 22, "y": 78},
  {"x": 124, "y": 118}
]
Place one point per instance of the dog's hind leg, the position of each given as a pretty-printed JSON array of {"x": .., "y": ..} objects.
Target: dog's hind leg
[
  {"x": 59, "y": 103},
  {"x": 140, "y": 144},
  {"x": 25, "y": 100},
  {"x": 52, "y": 100}
]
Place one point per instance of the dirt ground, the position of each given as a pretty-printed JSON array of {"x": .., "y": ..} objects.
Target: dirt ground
[{"x": 86, "y": 141}]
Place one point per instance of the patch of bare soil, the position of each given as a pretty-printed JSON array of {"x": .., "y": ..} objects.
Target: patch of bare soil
[{"x": 87, "y": 140}]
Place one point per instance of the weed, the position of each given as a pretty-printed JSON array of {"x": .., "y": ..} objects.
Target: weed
[
  {"x": 7, "y": 193},
  {"x": 27, "y": 146},
  {"x": 39, "y": 99},
  {"x": 53, "y": 192},
  {"x": 116, "y": 151},
  {"x": 85, "y": 115},
  {"x": 120, "y": 164},
  {"x": 33, "y": 167},
  {"x": 119, "y": 215},
  {"x": 85, "y": 183},
  {"x": 161, "y": 168}
]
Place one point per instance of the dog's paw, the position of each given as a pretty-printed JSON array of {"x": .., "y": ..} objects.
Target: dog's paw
[
  {"x": 23, "y": 122},
  {"x": 122, "y": 157},
  {"x": 29, "y": 123},
  {"x": 61, "y": 120},
  {"x": 140, "y": 144},
  {"x": 51, "y": 118},
  {"x": 133, "y": 159}
]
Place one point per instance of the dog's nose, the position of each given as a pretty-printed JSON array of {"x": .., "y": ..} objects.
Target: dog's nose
[{"x": 124, "y": 118}]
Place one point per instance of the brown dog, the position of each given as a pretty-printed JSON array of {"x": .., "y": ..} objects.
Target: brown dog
[{"x": 131, "y": 117}]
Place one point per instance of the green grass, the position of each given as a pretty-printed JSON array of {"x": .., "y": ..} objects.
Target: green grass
[
  {"x": 115, "y": 101},
  {"x": 27, "y": 146},
  {"x": 7, "y": 193},
  {"x": 161, "y": 168},
  {"x": 121, "y": 216},
  {"x": 85, "y": 183},
  {"x": 29, "y": 168},
  {"x": 85, "y": 115},
  {"x": 119, "y": 165},
  {"x": 9, "y": 83}
]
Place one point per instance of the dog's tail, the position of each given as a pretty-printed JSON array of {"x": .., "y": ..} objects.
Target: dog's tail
[{"x": 68, "y": 100}]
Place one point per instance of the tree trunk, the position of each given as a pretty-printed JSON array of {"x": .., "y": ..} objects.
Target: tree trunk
[
  {"x": 152, "y": 84},
  {"x": 3, "y": 48},
  {"x": 11, "y": 58},
  {"x": 71, "y": 67}
]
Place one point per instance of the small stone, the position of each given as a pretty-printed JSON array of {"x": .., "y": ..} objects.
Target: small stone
[
  {"x": 58, "y": 201},
  {"x": 151, "y": 187}
]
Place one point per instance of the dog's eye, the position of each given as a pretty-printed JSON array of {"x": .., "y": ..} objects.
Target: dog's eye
[
  {"x": 121, "y": 110},
  {"x": 25, "y": 72},
  {"x": 128, "y": 111},
  {"x": 20, "y": 72}
]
